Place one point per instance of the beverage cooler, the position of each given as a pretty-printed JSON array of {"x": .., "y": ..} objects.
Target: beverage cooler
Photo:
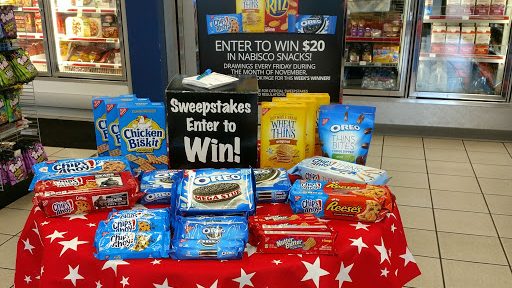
[
  {"x": 377, "y": 47},
  {"x": 461, "y": 50},
  {"x": 74, "y": 38}
]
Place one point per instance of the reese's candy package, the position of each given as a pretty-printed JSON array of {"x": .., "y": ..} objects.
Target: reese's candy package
[
  {"x": 283, "y": 134},
  {"x": 253, "y": 15},
  {"x": 276, "y": 14},
  {"x": 224, "y": 23},
  {"x": 143, "y": 135},
  {"x": 311, "y": 119},
  {"x": 346, "y": 131},
  {"x": 312, "y": 24}
]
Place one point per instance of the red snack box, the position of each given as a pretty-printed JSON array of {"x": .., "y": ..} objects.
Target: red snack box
[
  {"x": 278, "y": 219},
  {"x": 276, "y": 14},
  {"x": 299, "y": 242},
  {"x": 84, "y": 194}
]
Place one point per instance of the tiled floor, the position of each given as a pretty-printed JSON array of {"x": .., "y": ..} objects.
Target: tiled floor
[
  {"x": 12, "y": 219},
  {"x": 454, "y": 196}
]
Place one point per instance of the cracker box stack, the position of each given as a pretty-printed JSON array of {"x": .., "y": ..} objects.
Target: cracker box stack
[{"x": 214, "y": 128}]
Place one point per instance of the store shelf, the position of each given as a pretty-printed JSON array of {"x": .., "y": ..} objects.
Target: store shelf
[
  {"x": 10, "y": 129},
  {"x": 373, "y": 39},
  {"x": 499, "y": 59},
  {"x": 27, "y": 9},
  {"x": 89, "y": 39},
  {"x": 87, "y": 10},
  {"x": 91, "y": 64},
  {"x": 27, "y": 35},
  {"x": 467, "y": 19},
  {"x": 370, "y": 64}
]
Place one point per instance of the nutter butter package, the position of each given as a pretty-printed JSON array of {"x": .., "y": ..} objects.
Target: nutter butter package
[
  {"x": 283, "y": 134},
  {"x": 346, "y": 132},
  {"x": 216, "y": 192},
  {"x": 326, "y": 169},
  {"x": 346, "y": 201}
]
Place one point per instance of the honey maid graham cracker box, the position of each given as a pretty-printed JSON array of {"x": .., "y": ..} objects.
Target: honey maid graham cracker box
[{"x": 143, "y": 135}]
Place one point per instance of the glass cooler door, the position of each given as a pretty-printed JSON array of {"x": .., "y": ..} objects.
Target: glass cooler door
[
  {"x": 31, "y": 33},
  {"x": 88, "y": 39},
  {"x": 377, "y": 47},
  {"x": 461, "y": 49}
]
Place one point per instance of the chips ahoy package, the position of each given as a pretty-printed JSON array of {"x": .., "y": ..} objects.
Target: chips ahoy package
[
  {"x": 346, "y": 132},
  {"x": 159, "y": 186},
  {"x": 133, "y": 245},
  {"x": 135, "y": 224},
  {"x": 216, "y": 192},
  {"x": 78, "y": 167},
  {"x": 224, "y": 23},
  {"x": 114, "y": 137},
  {"x": 143, "y": 135}
]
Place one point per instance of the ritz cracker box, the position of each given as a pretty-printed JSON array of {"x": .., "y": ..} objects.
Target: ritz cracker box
[
  {"x": 143, "y": 135},
  {"x": 214, "y": 128}
]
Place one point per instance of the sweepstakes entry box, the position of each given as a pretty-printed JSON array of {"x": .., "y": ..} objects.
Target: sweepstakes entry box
[{"x": 215, "y": 128}]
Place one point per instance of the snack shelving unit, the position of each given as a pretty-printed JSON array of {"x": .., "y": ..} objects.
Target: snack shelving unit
[
  {"x": 377, "y": 47},
  {"x": 461, "y": 50}
]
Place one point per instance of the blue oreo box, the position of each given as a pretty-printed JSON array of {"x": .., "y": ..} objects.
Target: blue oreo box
[
  {"x": 159, "y": 186},
  {"x": 272, "y": 185},
  {"x": 143, "y": 135}
]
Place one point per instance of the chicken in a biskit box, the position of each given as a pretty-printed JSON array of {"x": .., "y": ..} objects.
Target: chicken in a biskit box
[{"x": 143, "y": 135}]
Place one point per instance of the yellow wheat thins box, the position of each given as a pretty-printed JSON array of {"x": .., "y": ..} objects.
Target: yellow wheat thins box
[
  {"x": 311, "y": 116},
  {"x": 253, "y": 15},
  {"x": 283, "y": 134}
]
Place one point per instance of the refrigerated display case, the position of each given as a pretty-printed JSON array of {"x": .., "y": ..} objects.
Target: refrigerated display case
[
  {"x": 377, "y": 48},
  {"x": 87, "y": 39},
  {"x": 461, "y": 50},
  {"x": 32, "y": 34}
]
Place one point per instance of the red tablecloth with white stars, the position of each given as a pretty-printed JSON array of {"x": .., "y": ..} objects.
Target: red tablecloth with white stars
[{"x": 58, "y": 252}]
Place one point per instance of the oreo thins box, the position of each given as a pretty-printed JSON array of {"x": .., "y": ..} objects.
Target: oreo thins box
[
  {"x": 216, "y": 192},
  {"x": 272, "y": 185},
  {"x": 159, "y": 185},
  {"x": 214, "y": 128}
]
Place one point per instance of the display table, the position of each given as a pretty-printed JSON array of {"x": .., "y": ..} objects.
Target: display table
[{"x": 58, "y": 252}]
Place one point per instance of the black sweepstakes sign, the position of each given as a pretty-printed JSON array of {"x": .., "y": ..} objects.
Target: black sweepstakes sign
[
  {"x": 275, "y": 40},
  {"x": 215, "y": 128}
]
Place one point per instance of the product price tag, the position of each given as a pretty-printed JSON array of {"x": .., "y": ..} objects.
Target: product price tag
[
  {"x": 362, "y": 63},
  {"x": 378, "y": 64},
  {"x": 432, "y": 55},
  {"x": 110, "y": 40},
  {"x": 465, "y": 17}
]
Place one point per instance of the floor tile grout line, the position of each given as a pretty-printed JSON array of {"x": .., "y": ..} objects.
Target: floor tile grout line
[
  {"x": 455, "y": 210},
  {"x": 490, "y": 214},
  {"x": 433, "y": 214}
]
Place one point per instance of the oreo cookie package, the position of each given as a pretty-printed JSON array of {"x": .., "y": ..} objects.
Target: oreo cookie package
[
  {"x": 312, "y": 24},
  {"x": 272, "y": 185},
  {"x": 158, "y": 186},
  {"x": 216, "y": 192},
  {"x": 220, "y": 238},
  {"x": 346, "y": 132}
]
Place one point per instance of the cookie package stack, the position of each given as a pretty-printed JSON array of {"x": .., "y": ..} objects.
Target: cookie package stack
[
  {"x": 133, "y": 234},
  {"x": 76, "y": 186},
  {"x": 295, "y": 234},
  {"x": 211, "y": 208}
]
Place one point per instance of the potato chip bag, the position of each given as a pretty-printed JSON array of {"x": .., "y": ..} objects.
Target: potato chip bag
[
  {"x": 283, "y": 134},
  {"x": 253, "y": 15},
  {"x": 311, "y": 120}
]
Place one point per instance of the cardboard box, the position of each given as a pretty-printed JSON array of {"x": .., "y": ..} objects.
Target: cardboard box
[{"x": 215, "y": 128}]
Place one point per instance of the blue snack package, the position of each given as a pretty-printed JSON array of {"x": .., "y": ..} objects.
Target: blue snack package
[
  {"x": 312, "y": 24},
  {"x": 134, "y": 225},
  {"x": 216, "y": 192},
  {"x": 143, "y": 135},
  {"x": 133, "y": 245},
  {"x": 184, "y": 249},
  {"x": 159, "y": 214},
  {"x": 346, "y": 132},
  {"x": 99, "y": 111},
  {"x": 224, "y": 23},
  {"x": 272, "y": 185},
  {"x": 307, "y": 196},
  {"x": 114, "y": 137},
  {"x": 210, "y": 230},
  {"x": 158, "y": 186},
  {"x": 77, "y": 167}
]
